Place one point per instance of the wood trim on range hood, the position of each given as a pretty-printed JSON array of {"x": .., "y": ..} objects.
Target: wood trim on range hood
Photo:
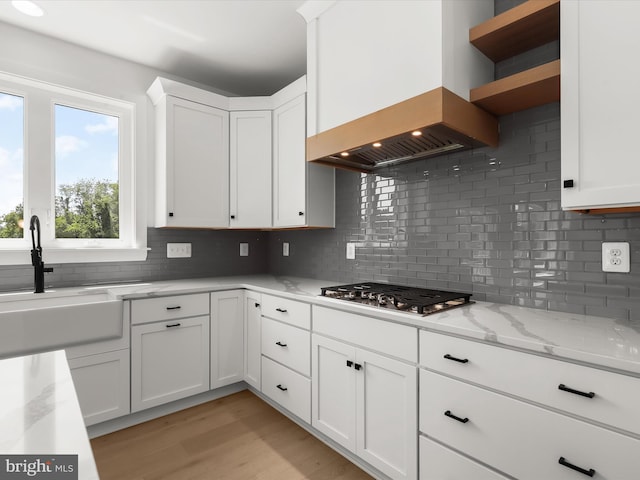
[{"x": 447, "y": 122}]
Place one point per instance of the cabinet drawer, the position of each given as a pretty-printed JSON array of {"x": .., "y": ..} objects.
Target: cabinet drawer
[
  {"x": 386, "y": 337},
  {"x": 440, "y": 463},
  {"x": 288, "y": 311},
  {"x": 520, "y": 439},
  {"x": 288, "y": 388},
  {"x": 288, "y": 345},
  {"x": 537, "y": 378},
  {"x": 166, "y": 308}
]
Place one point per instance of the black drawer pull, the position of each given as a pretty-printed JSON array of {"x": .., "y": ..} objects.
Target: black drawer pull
[
  {"x": 589, "y": 473},
  {"x": 460, "y": 360},
  {"x": 257, "y": 305},
  {"x": 280, "y": 387},
  {"x": 177, "y": 307},
  {"x": 173, "y": 325},
  {"x": 357, "y": 366},
  {"x": 349, "y": 363},
  {"x": 451, "y": 415},
  {"x": 281, "y": 310},
  {"x": 280, "y": 344},
  {"x": 577, "y": 392}
]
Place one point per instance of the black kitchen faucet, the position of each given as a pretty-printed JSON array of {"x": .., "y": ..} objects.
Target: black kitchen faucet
[{"x": 36, "y": 257}]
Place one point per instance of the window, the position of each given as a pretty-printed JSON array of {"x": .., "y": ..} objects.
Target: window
[
  {"x": 67, "y": 157},
  {"x": 11, "y": 165},
  {"x": 86, "y": 146}
]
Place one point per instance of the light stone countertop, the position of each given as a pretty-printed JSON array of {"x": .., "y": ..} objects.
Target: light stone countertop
[
  {"x": 595, "y": 340},
  {"x": 39, "y": 411}
]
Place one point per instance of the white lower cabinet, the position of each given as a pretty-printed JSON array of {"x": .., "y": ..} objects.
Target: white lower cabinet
[
  {"x": 101, "y": 375},
  {"x": 252, "y": 329},
  {"x": 438, "y": 462},
  {"x": 169, "y": 361},
  {"x": 227, "y": 338},
  {"x": 102, "y": 385},
  {"x": 521, "y": 439},
  {"x": 367, "y": 403}
]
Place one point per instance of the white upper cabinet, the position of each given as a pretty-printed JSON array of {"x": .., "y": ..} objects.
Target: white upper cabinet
[
  {"x": 303, "y": 194},
  {"x": 363, "y": 56},
  {"x": 599, "y": 100},
  {"x": 236, "y": 162},
  {"x": 250, "y": 169},
  {"x": 192, "y": 164}
]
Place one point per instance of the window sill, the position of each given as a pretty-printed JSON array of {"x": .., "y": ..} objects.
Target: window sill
[{"x": 74, "y": 255}]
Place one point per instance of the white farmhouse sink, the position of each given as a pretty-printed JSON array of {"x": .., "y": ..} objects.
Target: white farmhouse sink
[{"x": 35, "y": 322}]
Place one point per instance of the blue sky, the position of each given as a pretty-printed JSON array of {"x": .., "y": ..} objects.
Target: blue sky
[{"x": 86, "y": 147}]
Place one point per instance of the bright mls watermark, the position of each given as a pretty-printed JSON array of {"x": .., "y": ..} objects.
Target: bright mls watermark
[{"x": 51, "y": 467}]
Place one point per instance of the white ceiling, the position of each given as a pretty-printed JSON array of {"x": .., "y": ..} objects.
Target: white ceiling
[{"x": 245, "y": 47}]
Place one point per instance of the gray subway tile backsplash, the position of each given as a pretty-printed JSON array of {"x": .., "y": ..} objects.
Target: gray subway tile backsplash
[{"x": 492, "y": 226}]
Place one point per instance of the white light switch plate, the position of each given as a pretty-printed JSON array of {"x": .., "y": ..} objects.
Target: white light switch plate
[
  {"x": 285, "y": 249},
  {"x": 244, "y": 249},
  {"x": 615, "y": 257},
  {"x": 351, "y": 251},
  {"x": 178, "y": 250}
]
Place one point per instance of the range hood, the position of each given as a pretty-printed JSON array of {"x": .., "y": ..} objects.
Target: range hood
[{"x": 433, "y": 123}]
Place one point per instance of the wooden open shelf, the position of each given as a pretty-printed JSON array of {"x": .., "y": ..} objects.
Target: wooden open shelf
[
  {"x": 531, "y": 88},
  {"x": 529, "y": 25}
]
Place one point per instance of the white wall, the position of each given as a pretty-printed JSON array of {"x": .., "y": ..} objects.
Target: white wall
[{"x": 44, "y": 58}]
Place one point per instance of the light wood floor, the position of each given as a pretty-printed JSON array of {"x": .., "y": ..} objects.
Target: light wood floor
[{"x": 238, "y": 437}]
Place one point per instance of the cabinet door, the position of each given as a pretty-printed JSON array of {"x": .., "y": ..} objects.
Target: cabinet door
[
  {"x": 252, "y": 324},
  {"x": 334, "y": 390},
  {"x": 600, "y": 101},
  {"x": 289, "y": 164},
  {"x": 197, "y": 166},
  {"x": 102, "y": 385},
  {"x": 169, "y": 361},
  {"x": 227, "y": 338},
  {"x": 250, "y": 169},
  {"x": 387, "y": 414}
]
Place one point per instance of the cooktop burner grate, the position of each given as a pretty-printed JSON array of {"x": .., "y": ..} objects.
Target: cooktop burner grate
[{"x": 421, "y": 301}]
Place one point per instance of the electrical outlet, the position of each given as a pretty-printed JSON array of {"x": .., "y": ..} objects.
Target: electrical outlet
[
  {"x": 351, "y": 251},
  {"x": 178, "y": 250},
  {"x": 244, "y": 249},
  {"x": 615, "y": 257},
  {"x": 285, "y": 249}
]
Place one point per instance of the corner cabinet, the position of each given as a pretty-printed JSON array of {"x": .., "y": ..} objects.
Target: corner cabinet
[
  {"x": 599, "y": 101},
  {"x": 303, "y": 193},
  {"x": 227, "y": 338},
  {"x": 250, "y": 169},
  {"x": 192, "y": 164}
]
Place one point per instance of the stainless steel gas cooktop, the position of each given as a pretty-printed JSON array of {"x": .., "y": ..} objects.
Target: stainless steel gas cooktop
[{"x": 420, "y": 301}]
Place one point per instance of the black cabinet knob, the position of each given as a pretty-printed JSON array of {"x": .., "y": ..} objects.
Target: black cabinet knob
[
  {"x": 232, "y": 217},
  {"x": 301, "y": 213},
  {"x": 567, "y": 184},
  {"x": 171, "y": 214}
]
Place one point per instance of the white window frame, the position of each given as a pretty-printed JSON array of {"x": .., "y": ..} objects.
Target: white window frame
[{"x": 40, "y": 99}]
